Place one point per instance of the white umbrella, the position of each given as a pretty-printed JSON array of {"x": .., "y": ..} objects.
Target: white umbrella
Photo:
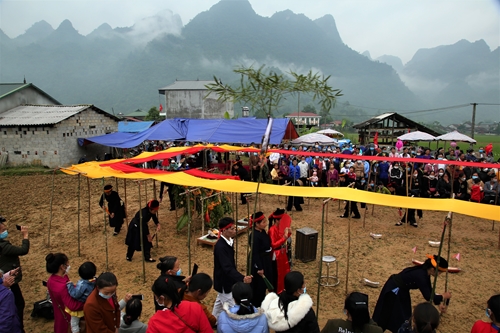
[
  {"x": 417, "y": 136},
  {"x": 314, "y": 138},
  {"x": 455, "y": 136},
  {"x": 330, "y": 131}
]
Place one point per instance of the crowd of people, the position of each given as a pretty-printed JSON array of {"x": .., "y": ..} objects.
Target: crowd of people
[{"x": 244, "y": 303}]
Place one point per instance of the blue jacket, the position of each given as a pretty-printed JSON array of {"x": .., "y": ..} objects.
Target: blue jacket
[
  {"x": 82, "y": 290},
  {"x": 294, "y": 172},
  {"x": 9, "y": 321},
  {"x": 230, "y": 322}
]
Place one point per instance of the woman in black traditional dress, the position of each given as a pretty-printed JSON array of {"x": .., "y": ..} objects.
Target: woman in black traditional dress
[
  {"x": 261, "y": 258},
  {"x": 394, "y": 303},
  {"x": 133, "y": 239},
  {"x": 115, "y": 210}
]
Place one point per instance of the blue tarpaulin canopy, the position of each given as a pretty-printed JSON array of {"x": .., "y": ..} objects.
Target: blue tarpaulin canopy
[
  {"x": 134, "y": 126},
  {"x": 243, "y": 130}
]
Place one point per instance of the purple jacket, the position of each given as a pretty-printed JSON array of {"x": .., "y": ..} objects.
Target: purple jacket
[{"x": 9, "y": 321}]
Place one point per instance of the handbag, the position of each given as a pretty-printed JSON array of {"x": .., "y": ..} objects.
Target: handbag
[{"x": 43, "y": 309}]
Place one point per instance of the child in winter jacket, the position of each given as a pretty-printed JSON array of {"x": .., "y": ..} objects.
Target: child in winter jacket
[{"x": 81, "y": 291}]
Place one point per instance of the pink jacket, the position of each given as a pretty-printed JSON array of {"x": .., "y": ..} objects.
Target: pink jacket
[{"x": 61, "y": 299}]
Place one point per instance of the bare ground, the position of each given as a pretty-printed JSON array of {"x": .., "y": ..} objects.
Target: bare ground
[{"x": 26, "y": 200}]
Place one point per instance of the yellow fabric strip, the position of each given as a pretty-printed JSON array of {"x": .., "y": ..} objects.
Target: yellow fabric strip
[{"x": 489, "y": 212}]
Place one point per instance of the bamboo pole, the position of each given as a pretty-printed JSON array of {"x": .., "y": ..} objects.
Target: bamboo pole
[
  {"x": 446, "y": 221},
  {"x": 188, "y": 200},
  {"x": 105, "y": 228},
  {"x": 116, "y": 184},
  {"x": 323, "y": 214},
  {"x": 249, "y": 264},
  {"x": 79, "y": 192},
  {"x": 141, "y": 232},
  {"x": 366, "y": 208},
  {"x": 88, "y": 189},
  {"x": 236, "y": 238},
  {"x": 348, "y": 248},
  {"x": 158, "y": 212},
  {"x": 125, "y": 193},
  {"x": 51, "y": 201},
  {"x": 493, "y": 221}
]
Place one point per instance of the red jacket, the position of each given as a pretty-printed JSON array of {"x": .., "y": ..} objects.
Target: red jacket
[
  {"x": 60, "y": 299},
  {"x": 165, "y": 321},
  {"x": 483, "y": 327}
]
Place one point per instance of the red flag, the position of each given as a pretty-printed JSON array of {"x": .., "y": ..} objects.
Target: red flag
[
  {"x": 414, "y": 250},
  {"x": 457, "y": 256},
  {"x": 161, "y": 108},
  {"x": 375, "y": 138}
]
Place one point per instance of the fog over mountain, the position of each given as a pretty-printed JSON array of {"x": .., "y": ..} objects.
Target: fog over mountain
[{"x": 121, "y": 69}]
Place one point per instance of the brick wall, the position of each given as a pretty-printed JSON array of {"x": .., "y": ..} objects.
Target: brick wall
[{"x": 56, "y": 145}]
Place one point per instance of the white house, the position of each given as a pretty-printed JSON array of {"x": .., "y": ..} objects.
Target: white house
[
  {"x": 304, "y": 118},
  {"x": 191, "y": 99}
]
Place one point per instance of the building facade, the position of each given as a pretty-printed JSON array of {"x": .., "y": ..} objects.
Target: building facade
[
  {"x": 307, "y": 119},
  {"x": 191, "y": 99},
  {"x": 48, "y": 135}
]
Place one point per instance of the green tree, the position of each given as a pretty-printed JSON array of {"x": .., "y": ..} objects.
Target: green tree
[
  {"x": 266, "y": 91},
  {"x": 153, "y": 114},
  {"x": 309, "y": 108}
]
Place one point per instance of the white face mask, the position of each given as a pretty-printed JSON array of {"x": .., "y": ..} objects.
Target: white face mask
[
  {"x": 431, "y": 177},
  {"x": 441, "y": 173},
  {"x": 67, "y": 269}
]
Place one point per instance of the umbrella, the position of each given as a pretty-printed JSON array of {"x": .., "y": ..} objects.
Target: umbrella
[
  {"x": 417, "y": 136},
  {"x": 330, "y": 131},
  {"x": 314, "y": 138},
  {"x": 455, "y": 136}
]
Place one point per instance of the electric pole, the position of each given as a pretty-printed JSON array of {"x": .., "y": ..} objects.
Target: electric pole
[{"x": 473, "y": 119}]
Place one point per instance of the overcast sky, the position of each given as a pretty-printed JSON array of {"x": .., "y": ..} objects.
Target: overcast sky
[{"x": 395, "y": 27}]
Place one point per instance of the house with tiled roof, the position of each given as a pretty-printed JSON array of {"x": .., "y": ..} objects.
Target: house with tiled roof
[{"x": 36, "y": 129}]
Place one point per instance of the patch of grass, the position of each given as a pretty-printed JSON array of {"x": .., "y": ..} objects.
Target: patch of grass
[{"x": 24, "y": 170}]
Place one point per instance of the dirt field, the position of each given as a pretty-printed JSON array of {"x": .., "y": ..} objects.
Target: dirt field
[{"x": 26, "y": 200}]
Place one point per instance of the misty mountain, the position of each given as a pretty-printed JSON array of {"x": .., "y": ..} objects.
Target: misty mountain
[
  {"x": 121, "y": 69},
  {"x": 393, "y": 61}
]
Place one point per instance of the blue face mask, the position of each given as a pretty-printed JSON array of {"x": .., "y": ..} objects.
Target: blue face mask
[
  {"x": 371, "y": 148},
  {"x": 487, "y": 313},
  {"x": 481, "y": 151},
  {"x": 474, "y": 177},
  {"x": 4, "y": 234},
  {"x": 179, "y": 272},
  {"x": 305, "y": 290},
  {"x": 362, "y": 182},
  {"x": 372, "y": 185},
  {"x": 106, "y": 296}
]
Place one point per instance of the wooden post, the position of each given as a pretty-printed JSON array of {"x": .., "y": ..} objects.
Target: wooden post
[
  {"x": 51, "y": 201},
  {"x": 79, "y": 181},
  {"x": 446, "y": 221},
  {"x": 116, "y": 184},
  {"x": 157, "y": 213},
  {"x": 324, "y": 213},
  {"x": 125, "y": 193},
  {"x": 105, "y": 228},
  {"x": 188, "y": 200},
  {"x": 366, "y": 208},
  {"x": 88, "y": 188},
  {"x": 348, "y": 249}
]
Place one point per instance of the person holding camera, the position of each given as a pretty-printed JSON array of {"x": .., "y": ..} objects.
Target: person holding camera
[
  {"x": 9, "y": 322},
  {"x": 9, "y": 259}
]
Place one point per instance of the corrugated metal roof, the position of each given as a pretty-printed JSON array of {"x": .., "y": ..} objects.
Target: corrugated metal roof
[
  {"x": 373, "y": 120},
  {"x": 186, "y": 85},
  {"x": 29, "y": 115}
]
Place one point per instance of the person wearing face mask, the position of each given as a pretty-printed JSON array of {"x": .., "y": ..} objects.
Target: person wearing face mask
[
  {"x": 444, "y": 186},
  {"x": 491, "y": 190},
  {"x": 429, "y": 186},
  {"x": 177, "y": 316},
  {"x": 9, "y": 259},
  {"x": 170, "y": 266},
  {"x": 58, "y": 266},
  {"x": 291, "y": 311},
  {"x": 358, "y": 317},
  {"x": 460, "y": 188},
  {"x": 102, "y": 311},
  {"x": 471, "y": 182},
  {"x": 396, "y": 174},
  {"x": 493, "y": 313}
]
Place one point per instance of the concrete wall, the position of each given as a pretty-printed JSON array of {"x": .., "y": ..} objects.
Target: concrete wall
[
  {"x": 192, "y": 104},
  {"x": 57, "y": 145},
  {"x": 27, "y": 95}
]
